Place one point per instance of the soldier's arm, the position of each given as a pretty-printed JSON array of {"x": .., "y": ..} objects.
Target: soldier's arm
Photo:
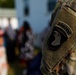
[{"x": 61, "y": 21}]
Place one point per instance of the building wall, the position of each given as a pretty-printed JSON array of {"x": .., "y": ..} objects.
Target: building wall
[
  {"x": 8, "y": 13},
  {"x": 38, "y": 16}
]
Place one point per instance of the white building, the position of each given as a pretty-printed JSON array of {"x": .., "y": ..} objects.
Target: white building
[{"x": 38, "y": 16}]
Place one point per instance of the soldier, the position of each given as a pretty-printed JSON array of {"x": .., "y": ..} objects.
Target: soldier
[{"x": 59, "y": 44}]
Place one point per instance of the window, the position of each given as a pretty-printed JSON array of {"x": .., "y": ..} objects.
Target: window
[
  {"x": 5, "y": 22},
  {"x": 50, "y": 5},
  {"x": 26, "y": 7},
  {"x": 14, "y": 23}
]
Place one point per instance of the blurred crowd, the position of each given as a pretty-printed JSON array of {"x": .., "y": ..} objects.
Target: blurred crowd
[{"x": 18, "y": 45}]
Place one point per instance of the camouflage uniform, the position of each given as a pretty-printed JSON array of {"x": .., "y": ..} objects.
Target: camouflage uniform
[{"x": 60, "y": 39}]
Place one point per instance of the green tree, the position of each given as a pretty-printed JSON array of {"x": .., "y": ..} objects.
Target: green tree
[{"x": 7, "y": 4}]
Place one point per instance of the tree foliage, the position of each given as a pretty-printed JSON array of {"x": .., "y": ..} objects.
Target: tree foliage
[{"x": 7, "y": 4}]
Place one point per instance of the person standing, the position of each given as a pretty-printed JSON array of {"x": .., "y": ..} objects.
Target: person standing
[{"x": 3, "y": 56}]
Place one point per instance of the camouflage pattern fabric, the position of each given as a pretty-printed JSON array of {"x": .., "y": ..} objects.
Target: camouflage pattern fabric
[{"x": 60, "y": 38}]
